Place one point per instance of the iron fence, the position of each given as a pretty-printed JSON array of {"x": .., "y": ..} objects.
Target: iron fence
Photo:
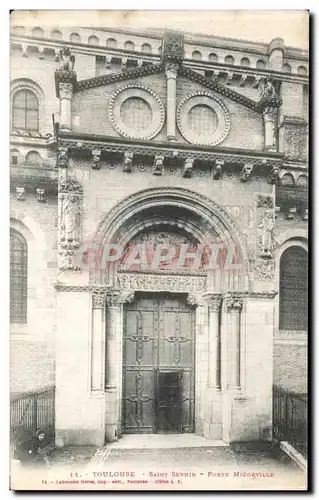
[
  {"x": 290, "y": 418},
  {"x": 31, "y": 411}
]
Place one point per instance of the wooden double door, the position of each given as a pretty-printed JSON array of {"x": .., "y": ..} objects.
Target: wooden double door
[{"x": 158, "y": 365}]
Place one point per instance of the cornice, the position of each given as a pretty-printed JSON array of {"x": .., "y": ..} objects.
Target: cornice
[
  {"x": 97, "y": 81},
  {"x": 86, "y": 142}
]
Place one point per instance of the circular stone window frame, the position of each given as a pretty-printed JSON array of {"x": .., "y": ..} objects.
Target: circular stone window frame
[
  {"x": 217, "y": 106},
  {"x": 152, "y": 99}
]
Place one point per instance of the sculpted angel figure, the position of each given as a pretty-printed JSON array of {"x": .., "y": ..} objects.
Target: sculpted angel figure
[{"x": 70, "y": 218}]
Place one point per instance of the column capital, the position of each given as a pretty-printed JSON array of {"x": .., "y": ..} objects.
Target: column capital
[
  {"x": 65, "y": 90},
  {"x": 113, "y": 298},
  {"x": 98, "y": 299},
  {"x": 233, "y": 302},
  {"x": 171, "y": 70},
  {"x": 213, "y": 301}
]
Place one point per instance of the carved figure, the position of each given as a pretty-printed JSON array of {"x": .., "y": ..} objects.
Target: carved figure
[
  {"x": 188, "y": 167},
  {"x": 158, "y": 165},
  {"x": 67, "y": 60},
  {"x": 70, "y": 216},
  {"x": 267, "y": 89},
  {"x": 266, "y": 226}
]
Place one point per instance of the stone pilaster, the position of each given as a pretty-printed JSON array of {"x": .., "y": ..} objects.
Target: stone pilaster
[
  {"x": 234, "y": 305},
  {"x": 98, "y": 341}
]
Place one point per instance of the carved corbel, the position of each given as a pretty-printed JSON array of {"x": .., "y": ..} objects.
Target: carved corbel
[
  {"x": 257, "y": 80},
  {"x": 216, "y": 170},
  {"x": 290, "y": 214},
  {"x": 243, "y": 79},
  {"x": 41, "y": 52},
  {"x": 124, "y": 62},
  {"x": 158, "y": 168},
  {"x": 188, "y": 167},
  {"x": 192, "y": 300},
  {"x": 305, "y": 215},
  {"x": 99, "y": 300},
  {"x": 128, "y": 160},
  {"x": 246, "y": 172},
  {"x": 273, "y": 174},
  {"x": 41, "y": 198},
  {"x": 96, "y": 155},
  {"x": 57, "y": 55},
  {"x": 216, "y": 74},
  {"x": 108, "y": 60},
  {"x": 230, "y": 76},
  {"x": 62, "y": 157},
  {"x": 24, "y": 48},
  {"x": 126, "y": 297},
  {"x": 20, "y": 193}
]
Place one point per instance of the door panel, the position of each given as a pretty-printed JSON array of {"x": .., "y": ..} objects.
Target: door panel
[{"x": 158, "y": 365}]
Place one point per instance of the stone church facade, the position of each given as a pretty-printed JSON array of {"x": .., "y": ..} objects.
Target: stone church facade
[{"x": 126, "y": 140}]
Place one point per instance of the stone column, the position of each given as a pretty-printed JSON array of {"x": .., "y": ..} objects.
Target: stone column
[
  {"x": 66, "y": 90},
  {"x": 113, "y": 325},
  {"x": 214, "y": 361},
  {"x": 234, "y": 306},
  {"x": 98, "y": 342},
  {"x": 171, "y": 74}
]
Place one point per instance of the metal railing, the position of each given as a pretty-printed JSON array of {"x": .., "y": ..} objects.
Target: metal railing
[
  {"x": 290, "y": 418},
  {"x": 30, "y": 411}
]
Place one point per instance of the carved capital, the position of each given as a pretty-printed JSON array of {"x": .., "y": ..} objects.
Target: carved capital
[
  {"x": 171, "y": 70},
  {"x": 216, "y": 170},
  {"x": 158, "y": 168},
  {"x": 99, "y": 300},
  {"x": 172, "y": 47},
  {"x": 233, "y": 303},
  {"x": 69, "y": 185},
  {"x": 113, "y": 298},
  {"x": 213, "y": 302},
  {"x": 66, "y": 90},
  {"x": 41, "y": 198},
  {"x": 246, "y": 172},
  {"x": 96, "y": 155},
  {"x": 188, "y": 167},
  {"x": 20, "y": 193},
  {"x": 269, "y": 113},
  {"x": 128, "y": 160},
  {"x": 264, "y": 201}
]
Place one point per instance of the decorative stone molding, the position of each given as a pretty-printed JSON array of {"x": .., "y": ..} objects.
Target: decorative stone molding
[
  {"x": 216, "y": 170},
  {"x": 172, "y": 47},
  {"x": 188, "y": 167},
  {"x": 94, "y": 289},
  {"x": 158, "y": 282},
  {"x": 96, "y": 154},
  {"x": 233, "y": 302},
  {"x": 152, "y": 103},
  {"x": 246, "y": 172},
  {"x": 264, "y": 201},
  {"x": 20, "y": 193},
  {"x": 158, "y": 167},
  {"x": 264, "y": 270},
  {"x": 62, "y": 160},
  {"x": 128, "y": 160},
  {"x": 112, "y": 298},
  {"x": 41, "y": 198},
  {"x": 99, "y": 299},
  {"x": 200, "y": 101}
]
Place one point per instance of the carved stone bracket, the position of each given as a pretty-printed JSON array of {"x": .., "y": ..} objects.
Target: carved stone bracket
[
  {"x": 158, "y": 167},
  {"x": 246, "y": 172},
  {"x": 41, "y": 198},
  {"x": 216, "y": 170},
  {"x": 188, "y": 167},
  {"x": 20, "y": 193},
  {"x": 128, "y": 160},
  {"x": 62, "y": 160},
  {"x": 192, "y": 300},
  {"x": 233, "y": 302},
  {"x": 273, "y": 174},
  {"x": 96, "y": 154},
  {"x": 126, "y": 297}
]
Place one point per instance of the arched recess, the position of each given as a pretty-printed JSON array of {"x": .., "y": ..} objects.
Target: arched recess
[
  {"x": 34, "y": 238},
  {"x": 291, "y": 238},
  {"x": 28, "y": 84},
  {"x": 179, "y": 210}
]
